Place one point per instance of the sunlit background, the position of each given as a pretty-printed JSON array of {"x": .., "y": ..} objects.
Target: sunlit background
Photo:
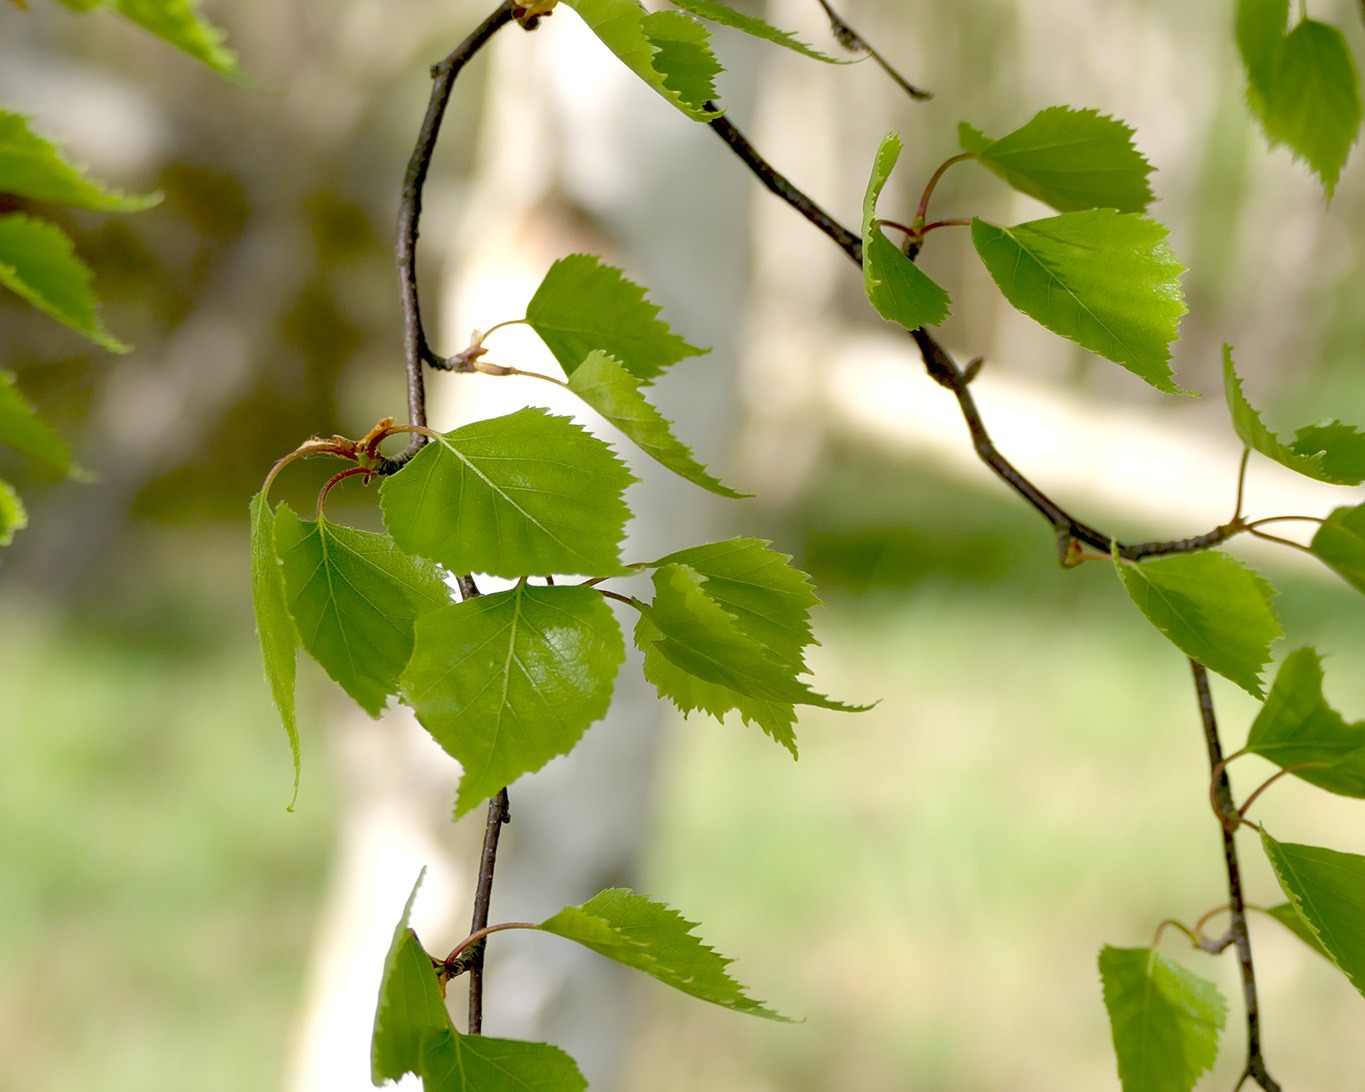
[{"x": 929, "y": 885}]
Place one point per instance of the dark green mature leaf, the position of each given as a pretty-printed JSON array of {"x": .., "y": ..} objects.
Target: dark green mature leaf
[
  {"x": 1327, "y": 888},
  {"x": 506, "y": 682},
  {"x": 1340, "y": 544},
  {"x": 38, "y": 262},
  {"x": 27, "y": 433},
  {"x": 354, "y": 596},
  {"x": 525, "y": 493},
  {"x": 1211, "y": 607},
  {"x": 274, "y": 624},
  {"x": 896, "y": 287},
  {"x": 1165, "y": 1020},
  {"x": 1330, "y": 452},
  {"x": 411, "y": 1009},
  {"x": 727, "y": 16},
  {"x": 452, "y": 1062},
  {"x": 583, "y": 305},
  {"x": 666, "y": 49},
  {"x": 1287, "y": 916},
  {"x": 1296, "y": 725},
  {"x": 1069, "y": 159},
  {"x": 1106, "y": 280},
  {"x": 614, "y": 393},
  {"x": 32, "y": 166},
  {"x": 653, "y": 938},
  {"x": 12, "y": 515}
]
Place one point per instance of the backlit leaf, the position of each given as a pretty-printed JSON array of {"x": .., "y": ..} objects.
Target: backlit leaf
[
  {"x": 1106, "y": 280},
  {"x": 1296, "y": 725},
  {"x": 354, "y": 597},
  {"x": 1327, "y": 888},
  {"x": 583, "y": 305},
  {"x": 1069, "y": 159},
  {"x": 725, "y": 15},
  {"x": 38, "y": 262},
  {"x": 32, "y": 166},
  {"x": 520, "y": 494},
  {"x": 896, "y": 287},
  {"x": 1287, "y": 916},
  {"x": 615, "y": 394},
  {"x": 452, "y": 1062},
  {"x": 1165, "y": 1021},
  {"x": 650, "y": 937},
  {"x": 666, "y": 49},
  {"x": 508, "y": 681},
  {"x": 1211, "y": 607},
  {"x": 1330, "y": 452},
  {"x": 274, "y": 624},
  {"x": 12, "y": 515},
  {"x": 27, "y": 433},
  {"x": 410, "y": 1008},
  {"x": 180, "y": 23},
  {"x": 1340, "y": 544}
]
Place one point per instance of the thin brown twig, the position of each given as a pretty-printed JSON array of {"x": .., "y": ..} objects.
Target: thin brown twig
[{"x": 851, "y": 40}]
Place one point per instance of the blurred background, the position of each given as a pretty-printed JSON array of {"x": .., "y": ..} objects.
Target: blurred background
[{"x": 929, "y": 885}]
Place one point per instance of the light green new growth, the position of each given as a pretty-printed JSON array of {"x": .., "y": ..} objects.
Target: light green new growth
[
  {"x": 274, "y": 624},
  {"x": 33, "y": 166},
  {"x": 1340, "y": 544},
  {"x": 22, "y": 430},
  {"x": 13, "y": 517},
  {"x": 725, "y": 15},
  {"x": 177, "y": 22}
]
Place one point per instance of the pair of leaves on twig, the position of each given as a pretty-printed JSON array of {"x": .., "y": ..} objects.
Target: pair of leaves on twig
[
  {"x": 413, "y": 1032},
  {"x": 1100, "y": 273}
]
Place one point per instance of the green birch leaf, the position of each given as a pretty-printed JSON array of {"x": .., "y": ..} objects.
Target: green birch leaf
[
  {"x": 1287, "y": 916},
  {"x": 583, "y": 305},
  {"x": 410, "y": 1009},
  {"x": 653, "y": 938},
  {"x": 614, "y": 393},
  {"x": 274, "y": 624},
  {"x": 520, "y": 494},
  {"x": 1296, "y": 725},
  {"x": 1211, "y": 607},
  {"x": 27, "y": 433},
  {"x": 668, "y": 50},
  {"x": 452, "y": 1062},
  {"x": 769, "y": 599},
  {"x": 1103, "y": 279},
  {"x": 1165, "y": 1021},
  {"x": 354, "y": 596},
  {"x": 1310, "y": 99},
  {"x": 1329, "y": 452},
  {"x": 32, "y": 166},
  {"x": 12, "y": 515},
  {"x": 1327, "y": 889},
  {"x": 1340, "y": 544},
  {"x": 1260, "y": 37},
  {"x": 508, "y": 681},
  {"x": 38, "y": 262},
  {"x": 180, "y": 23},
  {"x": 727, "y": 16},
  {"x": 896, "y": 287},
  {"x": 1069, "y": 159}
]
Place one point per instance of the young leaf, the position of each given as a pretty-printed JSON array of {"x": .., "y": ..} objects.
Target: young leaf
[
  {"x": 452, "y": 1062},
  {"x": 1211, "y": 607},
  {"x": 1287, "y": 916},
  {"x": 38, "y": 262},
  {"x": 27, "y": 433},
  {"x": 668, "y": 50},
  {"x": 1165, "y": 1020},
  {"x": 650, "y": 937},
  {"x": 274, "y": 624},
  {"x": 1327, "y": 888},
  {"x": 896, "y": 287},
  {"x": 32, "y": 166},
  {"x": 354, "y": 597},
  {"x": 614, "y": 393},
  {"x": 410, "y": 1009},
  {"x": 179, "y": 23},
  {"x": 524, "y": 493},
  {"x": 583, "y": 305},
  {"x": 1106, "y": 280},
  {"x": 725, "y": 15},
  {"x": 1331, "y": 452},
  {"x": 1340, "y": 544},
  {"x": 1260, "y": 37},
  {"x": 1069, "y": 159},
  {"x": 12, "y": 515},
  {"x": 1296, "y": 725},
  {"x": 506, "y": 682}
]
